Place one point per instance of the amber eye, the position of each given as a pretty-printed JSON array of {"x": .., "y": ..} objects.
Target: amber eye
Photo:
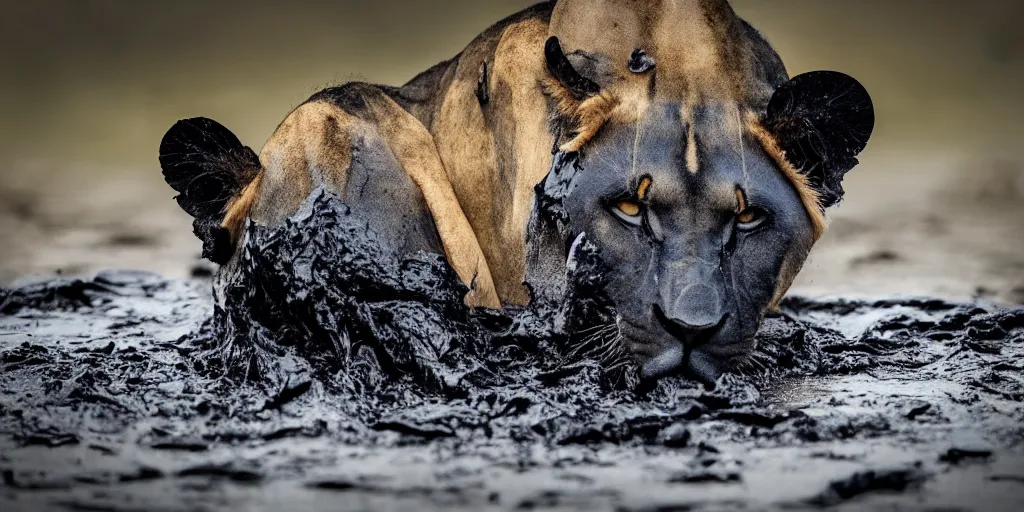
[
  {"x": 750, "y": 217},
  {"x": 629, "y": 211},
  {"x": 628, "y": 208}
]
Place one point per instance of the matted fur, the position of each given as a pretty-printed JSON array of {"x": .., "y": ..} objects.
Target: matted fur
[
  {"x": 477, "y": 157},
  {"x": 239, "y": 207},
  {"x": 808, "y": 195}
]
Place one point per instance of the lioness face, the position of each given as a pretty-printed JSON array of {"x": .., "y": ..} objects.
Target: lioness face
[
  {"x": 702, "y": 194},
  {"x": 700, "y": 231}
]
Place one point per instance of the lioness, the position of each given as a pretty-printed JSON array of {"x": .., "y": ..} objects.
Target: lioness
[{"x": 703, "y": 170}]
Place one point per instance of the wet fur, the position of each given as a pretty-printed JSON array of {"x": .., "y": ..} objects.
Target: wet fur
[{"x": 475, "y": 134}]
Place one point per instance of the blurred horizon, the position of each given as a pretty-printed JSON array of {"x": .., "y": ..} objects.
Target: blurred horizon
[
  {"x": 100, "y": 79},
  {"x": 89, "y": 86}
]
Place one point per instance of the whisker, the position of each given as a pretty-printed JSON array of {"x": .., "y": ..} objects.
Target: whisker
[{"x": 597, "y": 342}]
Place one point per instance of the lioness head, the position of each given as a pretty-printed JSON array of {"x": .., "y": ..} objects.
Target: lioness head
[{"x": 700, "y": 170}]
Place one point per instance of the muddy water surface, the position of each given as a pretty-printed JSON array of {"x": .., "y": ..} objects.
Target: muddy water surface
[
  {"x": 117, "y": 393},
  {"x": 309, "y": 383}
]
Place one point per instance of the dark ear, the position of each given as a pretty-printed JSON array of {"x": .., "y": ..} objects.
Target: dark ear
[
  {"x": 822, "y": 120},
  {"x": 207, "y": 165},
  {"x": 560, "y": 67}
]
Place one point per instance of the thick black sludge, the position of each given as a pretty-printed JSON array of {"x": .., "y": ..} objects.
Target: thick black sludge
[{"x": 333, "y": 376}]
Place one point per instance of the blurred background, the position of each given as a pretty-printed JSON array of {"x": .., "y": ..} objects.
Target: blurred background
[{"x": 88, "y": 87}]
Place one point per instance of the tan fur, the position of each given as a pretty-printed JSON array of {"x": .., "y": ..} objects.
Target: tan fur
[
  {"x": 238, "y": 209},
  {"x": 692, "y": 164},
  {"x": 519, "y": 50},
  {"x": 793, "y": 261},
  {"x": 641, "y": 190},
  {"x": 497, "y": 195},
  {"x": 696, "y": 44},
  {"x": 808, "y": 196},
  {"x": 565, "y": 104},
  {"x": 698, "y": 70},
  {"x": 591, "y": 114},
  {"x": 414, "y": 148},
  {"x": 312, "y": 146},
  {"x": 589, "y": 117},
  {"x": 465, "y": 148},
  {"x": 741, "y": 200}
]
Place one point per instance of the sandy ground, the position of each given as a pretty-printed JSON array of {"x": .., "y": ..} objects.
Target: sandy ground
[{"x": 925, "y": 222}]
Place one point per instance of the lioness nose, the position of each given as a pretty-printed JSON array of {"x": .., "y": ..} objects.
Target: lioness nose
[
  {"x": 688, "y": 337},
  {"x": 697, "y": 308}
]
